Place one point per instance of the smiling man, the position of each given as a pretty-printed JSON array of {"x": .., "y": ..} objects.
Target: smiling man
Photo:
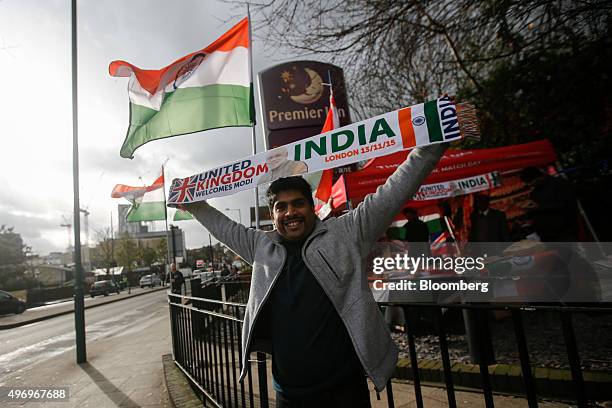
[{"x": 310, "y": 306}]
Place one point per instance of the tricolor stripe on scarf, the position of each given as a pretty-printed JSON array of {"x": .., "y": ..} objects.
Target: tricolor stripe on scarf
[
  {"x": 429, "y": 122},
  {"x": 207, "y": 89},
  {"x": 374, "y": 137}
]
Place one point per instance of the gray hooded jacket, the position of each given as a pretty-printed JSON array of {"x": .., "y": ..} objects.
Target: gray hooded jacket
[{"x": 334, "y": 253}]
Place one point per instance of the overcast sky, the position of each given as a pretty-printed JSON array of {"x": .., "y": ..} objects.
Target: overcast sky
[{"x": 35, "y": 110}]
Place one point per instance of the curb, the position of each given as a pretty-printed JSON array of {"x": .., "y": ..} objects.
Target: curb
[
  {"x": 180, "y": 393},
  {"x": 507, "y": 379},
  {"x": 65, "y": 312}
]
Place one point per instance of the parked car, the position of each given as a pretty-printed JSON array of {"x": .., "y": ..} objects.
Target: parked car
[
  {"x": 10, "y": 304},
  {"x": 206, "y": 275},
  {"x": 104, "y": 287},
  {"x": 150, "y": 281}
]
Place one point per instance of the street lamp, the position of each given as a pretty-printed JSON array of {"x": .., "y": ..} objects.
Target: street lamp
[{"x": 239, "y": 213}]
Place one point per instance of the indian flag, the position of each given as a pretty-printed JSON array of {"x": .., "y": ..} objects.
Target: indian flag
[
  {"x": 429, "y": 122},
  {"x": 148, "y": 202},
  {"x": 207, "y": 89},
  {"x": 323, "y": 192},
  {"x": 181, "y": 215}
]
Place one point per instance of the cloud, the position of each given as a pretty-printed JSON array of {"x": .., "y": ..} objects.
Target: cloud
[
  {"x": 37, "y": 230},
  {"x": 36, "y": 170}
]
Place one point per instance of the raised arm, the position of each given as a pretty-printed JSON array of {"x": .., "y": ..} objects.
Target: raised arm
[
  {"x": 372, "y": 217},
  {"x": 237, "y": 237}
]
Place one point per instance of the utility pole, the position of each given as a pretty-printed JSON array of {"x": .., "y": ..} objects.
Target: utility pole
[
  {"x": 86, "y": 248},
  {"x": 212, "y": 253},
  {"x": 172, "y": 228},
  {"x": 112, "y": 237},
  {"x": 79, "y": 302}
]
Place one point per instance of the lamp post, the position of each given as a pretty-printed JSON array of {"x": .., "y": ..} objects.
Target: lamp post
[{"x": 239, "y": 213}]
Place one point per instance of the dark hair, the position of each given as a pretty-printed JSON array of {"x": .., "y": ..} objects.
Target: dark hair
[
  {"x": 295, "y": 183},
  {"x": 483, "y": 198},
  {"x": 528, "y": 174},
  {"x": 410, "y": 210}
]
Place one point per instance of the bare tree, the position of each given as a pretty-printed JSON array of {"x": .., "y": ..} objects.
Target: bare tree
[
  {"x": 103, "y": 254},
  {"x": 398, "y": 52}
]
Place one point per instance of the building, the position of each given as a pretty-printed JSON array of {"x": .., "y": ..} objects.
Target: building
[
  {"x": 55, "y": 258},
  {"x": 140, "y": 232},
  {"x": 125, "y": 227},
  {"x": 53, "y": 275},
  {"x": 176, "y": 240}
]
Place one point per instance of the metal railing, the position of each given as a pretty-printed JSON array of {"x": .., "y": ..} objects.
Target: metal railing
[
  {"x": 206, "y": 339},
  {"x": 566, "y": 331}
]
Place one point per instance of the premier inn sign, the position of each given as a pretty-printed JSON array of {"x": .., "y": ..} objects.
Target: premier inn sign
[{"x": 295, "y": 99}]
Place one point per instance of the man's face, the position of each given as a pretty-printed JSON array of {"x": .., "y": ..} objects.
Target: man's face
[
  {"x": 173, "y": 267},
  {"x": 275, "y": 158},
  {"x": 293, "y": 215}
]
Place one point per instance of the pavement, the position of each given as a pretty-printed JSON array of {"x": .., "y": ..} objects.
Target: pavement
[
  {"x": 127, "y": 371},
  {"x": 121, "y": 371}
]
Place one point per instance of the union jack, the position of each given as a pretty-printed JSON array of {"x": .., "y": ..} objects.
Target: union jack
[{"x": 182, "y": 188}]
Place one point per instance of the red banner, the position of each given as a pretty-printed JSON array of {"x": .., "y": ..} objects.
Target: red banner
[{"x": 455, "y": 164}]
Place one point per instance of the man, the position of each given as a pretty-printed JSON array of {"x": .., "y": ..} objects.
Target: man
[
  {"x": 310, "y": 306},
  {"x": 176, "y": 279},
  {"x": 416, "y": 233},
  {"x": 489, "y": 227},
  {"x": 553, "y": 206},
  {"x": 225, "y": 270}
]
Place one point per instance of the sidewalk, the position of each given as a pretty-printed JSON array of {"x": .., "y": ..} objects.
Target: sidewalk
[
  {"x": 57, "y": 309},
  {"x": 434, "y": 396},
  {"x": 121, "y": 371}
]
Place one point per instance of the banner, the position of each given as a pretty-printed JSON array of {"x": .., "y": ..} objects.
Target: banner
[
  {"x": 453, "y": 165},
  {"x": 420, "y": 125},
  {"x": 453, "y": 188}
]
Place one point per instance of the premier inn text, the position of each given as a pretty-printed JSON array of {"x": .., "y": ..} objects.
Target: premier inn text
[{"x": 301, "y": 114}]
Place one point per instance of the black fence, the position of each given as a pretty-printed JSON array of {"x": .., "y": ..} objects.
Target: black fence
[
  {"x": 206, "y": 339},
  {"x": 482, "y": 343}
]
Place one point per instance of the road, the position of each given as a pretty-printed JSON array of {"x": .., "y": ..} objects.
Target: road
[{"x": 35, "y": 343}]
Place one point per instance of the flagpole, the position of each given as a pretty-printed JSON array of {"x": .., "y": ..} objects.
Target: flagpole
[
  {"x": 253, "y": 134},
  {"x": 79, "y": 303},
  {"x": 112, "y": 236},
  {"x": 452, "y": 234},
  {"x": 166, "y": 220}
]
